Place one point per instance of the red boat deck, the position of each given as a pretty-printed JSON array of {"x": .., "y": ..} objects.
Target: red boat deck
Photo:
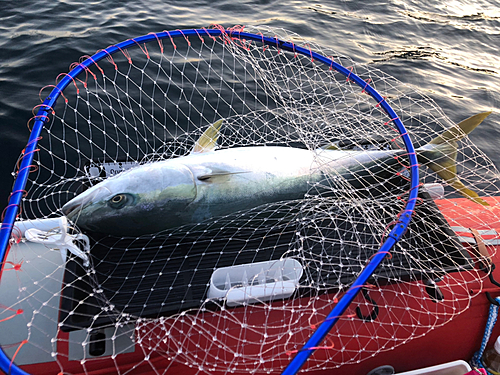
[{"x": 458, "y": 339}]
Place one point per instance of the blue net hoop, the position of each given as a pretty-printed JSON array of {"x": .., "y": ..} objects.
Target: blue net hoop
[{"x": 45, "y": 110}]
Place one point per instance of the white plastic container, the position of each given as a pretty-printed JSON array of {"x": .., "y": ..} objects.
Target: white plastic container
[
  {"x": 451, "y": 368},
  {"x": 435, "y": 190},
  {"x": 255, "y": 282}
]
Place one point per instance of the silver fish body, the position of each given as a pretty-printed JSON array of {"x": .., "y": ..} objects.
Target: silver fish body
[
  {"x": 210, "y": 183},
  {"x": 193, "y": 188}
]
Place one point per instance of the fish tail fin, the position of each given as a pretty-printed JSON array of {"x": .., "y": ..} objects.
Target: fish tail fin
[
  {"x": 440, "y": 155},
  {"x": 460, "y": 130}
]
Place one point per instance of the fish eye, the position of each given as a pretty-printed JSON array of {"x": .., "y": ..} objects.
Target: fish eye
[
  {"x": 118, "y": 201},
  {"x": 117, "y": 198}
]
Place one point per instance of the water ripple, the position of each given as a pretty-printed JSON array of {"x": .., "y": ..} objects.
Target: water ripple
[{"x": 449, "y": 49}]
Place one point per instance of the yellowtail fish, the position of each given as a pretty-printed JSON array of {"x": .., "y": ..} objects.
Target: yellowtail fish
[{"x": 209, "y": 183}]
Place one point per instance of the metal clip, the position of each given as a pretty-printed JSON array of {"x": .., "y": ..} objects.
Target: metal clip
[{"x": 374, "y": 314}]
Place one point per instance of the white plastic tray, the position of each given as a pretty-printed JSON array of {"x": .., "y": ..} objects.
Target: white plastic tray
[{"x": 451, "y": 368}]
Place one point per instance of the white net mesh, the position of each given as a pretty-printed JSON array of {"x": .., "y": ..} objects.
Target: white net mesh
[{"x": 240, "y": 290}]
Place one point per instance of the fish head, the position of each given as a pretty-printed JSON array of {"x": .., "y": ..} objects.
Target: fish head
[{"x": 144, "y": 199}]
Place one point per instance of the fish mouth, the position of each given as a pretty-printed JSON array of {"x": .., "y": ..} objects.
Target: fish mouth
[
  {"x": 75, "y": 206},
  {"x": 71, "y": 208}
]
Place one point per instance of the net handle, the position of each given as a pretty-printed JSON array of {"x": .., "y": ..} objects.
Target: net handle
[{"x": 45, "y": 109}]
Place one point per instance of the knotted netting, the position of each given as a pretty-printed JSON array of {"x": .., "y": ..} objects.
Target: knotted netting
[{"x": 240, "y": 290}]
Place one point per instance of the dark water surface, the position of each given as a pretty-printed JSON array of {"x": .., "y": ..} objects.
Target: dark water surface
[{"x": 450, "y": 50}]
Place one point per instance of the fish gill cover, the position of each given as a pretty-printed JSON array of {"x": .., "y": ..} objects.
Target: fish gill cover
[{"x": 222, "y": 196}]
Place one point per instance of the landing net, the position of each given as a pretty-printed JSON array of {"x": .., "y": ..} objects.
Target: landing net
[{"x": 243, "y": 291}]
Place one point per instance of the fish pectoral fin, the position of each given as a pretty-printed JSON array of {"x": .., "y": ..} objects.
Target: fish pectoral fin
[
  {"x": 216, "y": 174},
  {"x": 208, "y": 139}
]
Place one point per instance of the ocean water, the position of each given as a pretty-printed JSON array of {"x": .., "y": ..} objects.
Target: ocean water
[{"x": 450, "y": 50}]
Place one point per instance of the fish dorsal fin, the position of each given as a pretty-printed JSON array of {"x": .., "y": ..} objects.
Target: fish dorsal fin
[
  {"x": 208, "y": 139},
  {"x": 330, "y": 146}
]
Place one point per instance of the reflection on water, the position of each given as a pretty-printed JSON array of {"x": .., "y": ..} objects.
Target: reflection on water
[{"x": 448, "y": 49}]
